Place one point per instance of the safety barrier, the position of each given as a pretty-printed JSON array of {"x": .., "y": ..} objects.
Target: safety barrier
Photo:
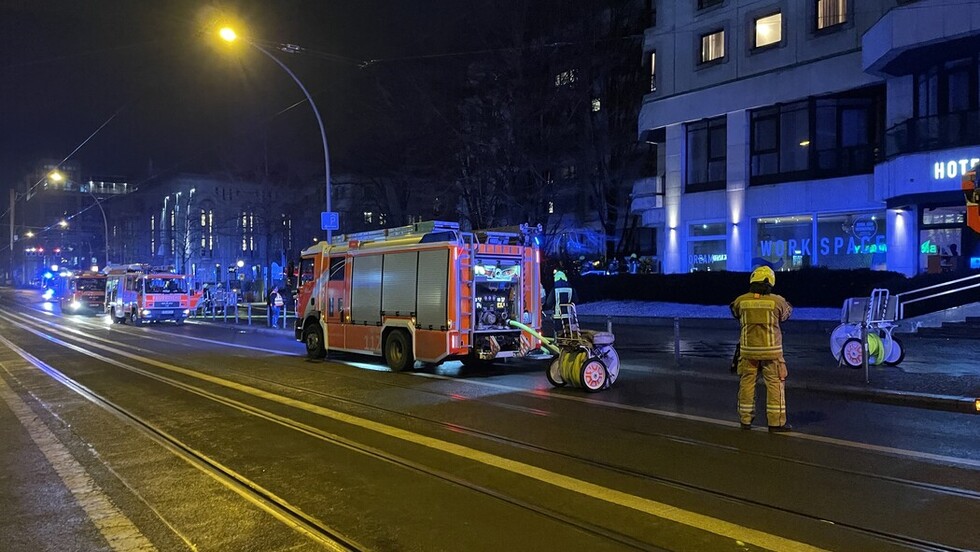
[{"x": 939, "y": 297}]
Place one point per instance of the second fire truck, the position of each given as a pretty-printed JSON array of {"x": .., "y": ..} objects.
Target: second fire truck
[
  {"x": 426, "y": 292},
  {"x": 84, "y": 293},
  {"x": 137, "y": 293}
]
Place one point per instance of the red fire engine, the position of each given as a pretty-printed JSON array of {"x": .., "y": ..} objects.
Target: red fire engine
[
  {"x": 426, "y": 291},
  {"x": 138, "y": 293},
  {"x": 84, "y": 292}
]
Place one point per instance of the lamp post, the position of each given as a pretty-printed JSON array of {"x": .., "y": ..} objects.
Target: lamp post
[
  {"x": 229, "y": 35},
  {"x": 56, "y": 176}
]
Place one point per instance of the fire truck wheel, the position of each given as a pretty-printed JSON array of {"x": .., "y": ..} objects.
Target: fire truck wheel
[
  {"x": 398, "y": 351},
  {"x": 313, "y": 339}
]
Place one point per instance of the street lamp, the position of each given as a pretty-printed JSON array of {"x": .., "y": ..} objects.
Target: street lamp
[
  {"x": 229, "y": 35},
  {"x": 56, "y": 176}
]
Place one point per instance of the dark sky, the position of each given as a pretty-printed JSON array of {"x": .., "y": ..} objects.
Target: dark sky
[{"x": 182, "y": 100}]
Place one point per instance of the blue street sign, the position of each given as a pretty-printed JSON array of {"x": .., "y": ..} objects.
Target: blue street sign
[{"x": 329, "y": 220}]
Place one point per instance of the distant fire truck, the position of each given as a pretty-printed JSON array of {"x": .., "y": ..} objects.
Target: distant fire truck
[
  {"x": 138, "y": 293},
  {"x": 426, "y": 291},
  {"x": 84, "y": 292}
]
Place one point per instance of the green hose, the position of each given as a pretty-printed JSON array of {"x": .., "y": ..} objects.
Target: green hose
[{"x": 544, "y": 340}]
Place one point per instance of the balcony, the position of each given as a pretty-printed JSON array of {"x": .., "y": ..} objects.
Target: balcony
[{"x": 935, "y": 132}]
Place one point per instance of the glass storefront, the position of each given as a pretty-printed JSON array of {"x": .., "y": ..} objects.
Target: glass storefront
[
  {"x": 852, "y": 241},
  {"x": 941, "y": 239},
  {"x": 707, "y": 247},
  {"x": 839, "y": 241},
  {"x": 783, "y": 242}
]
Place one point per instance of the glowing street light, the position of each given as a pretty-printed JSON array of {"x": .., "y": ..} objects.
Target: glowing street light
[
  {"x": 29, "y": 234},
  {"x": 63, "y": 223},
  {"x": 328, "y": 219},
  {"x": 56, "y": 176}
]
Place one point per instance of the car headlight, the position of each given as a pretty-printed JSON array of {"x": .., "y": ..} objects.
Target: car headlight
[
  {"x": 75, "y": 305},
  {"x": 187, "y": 312},
  {"x": 146, "y": 312}
]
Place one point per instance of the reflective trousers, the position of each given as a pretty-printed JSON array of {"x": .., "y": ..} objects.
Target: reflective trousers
[{"x": 773, "y": 373}]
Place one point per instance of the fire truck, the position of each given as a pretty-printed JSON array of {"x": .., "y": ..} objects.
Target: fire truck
[
  {"x": 426, "y": 292},
  {"x": 138, "y": 293},
  {"x": 84, "y": 292}
]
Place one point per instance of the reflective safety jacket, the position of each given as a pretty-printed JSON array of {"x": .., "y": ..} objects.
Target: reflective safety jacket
[{"x": 760, "y": 315}]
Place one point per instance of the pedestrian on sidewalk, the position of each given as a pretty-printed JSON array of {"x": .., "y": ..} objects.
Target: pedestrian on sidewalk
[
  {"x": 275, "y": 304},
  {"x": 761, "y": 349}
]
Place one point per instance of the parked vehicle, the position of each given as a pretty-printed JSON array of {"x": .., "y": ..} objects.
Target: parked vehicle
[
  {"x": 426, "y": 291},
  {"x": 138, "y": 293}
]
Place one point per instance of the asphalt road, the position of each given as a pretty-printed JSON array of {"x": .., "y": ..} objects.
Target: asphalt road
[{"x": 218, "y": 438}]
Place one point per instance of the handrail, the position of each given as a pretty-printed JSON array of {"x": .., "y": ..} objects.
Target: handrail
[
  {"x": 938, "y": 285},
  {"x": 901, "y": 305}
]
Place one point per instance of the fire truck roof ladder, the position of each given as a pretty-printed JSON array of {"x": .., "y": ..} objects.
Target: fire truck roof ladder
[{"x": 382, "y": 234}]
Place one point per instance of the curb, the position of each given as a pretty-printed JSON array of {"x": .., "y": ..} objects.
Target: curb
[
  {"x": 792, "y": 326},
  {"x": 255, "y": 328},
  {"x": 929, "y": 401}
]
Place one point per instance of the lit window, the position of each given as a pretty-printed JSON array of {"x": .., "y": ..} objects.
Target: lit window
[
  {"x": 551, "y": 207},
  {"x": 565, "y": 78},
  {"x": 712, "y": 46},
  {"x": 830, "y": 13},
  {"x": 368, "y": 216},
  {"x": 768, "y": 30},
  {"x": 653, "y": 71},
  {"x": 382, "y": 219},
  {"x": 596, "y": 104}
]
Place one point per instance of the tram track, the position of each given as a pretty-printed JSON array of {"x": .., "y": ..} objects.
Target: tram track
[
  {"x": 901, "y": 540},
  {"x": 272, "y": 502}
]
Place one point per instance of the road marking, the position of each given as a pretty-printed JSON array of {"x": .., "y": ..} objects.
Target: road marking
[
  {"x": 114, "y": 526},
  {"x": 893, "y": 451},
  {"x": 647, "y": 506}
]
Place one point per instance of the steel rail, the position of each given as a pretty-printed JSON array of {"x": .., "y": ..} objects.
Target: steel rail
[{"x": 673, "y": 483}]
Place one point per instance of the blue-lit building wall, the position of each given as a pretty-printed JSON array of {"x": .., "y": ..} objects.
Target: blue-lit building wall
[{"x": 797, "y": 152}]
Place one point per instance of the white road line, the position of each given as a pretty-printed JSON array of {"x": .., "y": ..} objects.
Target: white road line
[
  {"x": 651, "y": 507},
  {"x": 114, "y": 526}
]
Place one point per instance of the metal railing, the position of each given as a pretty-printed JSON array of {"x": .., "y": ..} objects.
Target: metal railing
[
  {"x": 938, "y": 297},
  {"x": 933, "y": 132}
]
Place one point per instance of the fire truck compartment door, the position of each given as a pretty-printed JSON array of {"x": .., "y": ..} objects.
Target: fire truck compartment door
[
  {"x": 398, "y": 283},
  {"x": 365, "y": 301},
  {"x": 433, "y": 289}
]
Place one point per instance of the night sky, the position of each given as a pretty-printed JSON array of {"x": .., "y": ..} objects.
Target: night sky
[{"x": 180, "y": 100}]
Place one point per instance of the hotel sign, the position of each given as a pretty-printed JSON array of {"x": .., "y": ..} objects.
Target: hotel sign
[{"x": 953, "y": 168}]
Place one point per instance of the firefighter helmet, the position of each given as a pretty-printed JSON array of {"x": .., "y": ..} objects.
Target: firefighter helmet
[
  {"x": 559, "y": 275},
  {"x": 763, "y": 274}
]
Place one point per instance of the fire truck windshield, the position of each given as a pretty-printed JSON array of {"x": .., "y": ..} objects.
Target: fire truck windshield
[
  {"x": 90, "y": 284},
  {"x": 165, "y": 285}
]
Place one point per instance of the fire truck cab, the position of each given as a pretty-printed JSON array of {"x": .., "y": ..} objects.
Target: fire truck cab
[
  {"x": 84, "y": 293},
  {"x": 138, "y": 294},
  {"x": 426, "y": 292}
]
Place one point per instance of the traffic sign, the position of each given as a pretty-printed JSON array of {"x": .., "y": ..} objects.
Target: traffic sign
[{"x": 329, "y": 220}]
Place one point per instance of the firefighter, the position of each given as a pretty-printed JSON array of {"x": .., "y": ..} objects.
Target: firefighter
[
  {"x": 761, "y": 349},
  {"x": 562, "y": 294}
]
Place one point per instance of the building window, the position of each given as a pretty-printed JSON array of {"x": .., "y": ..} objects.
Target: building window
[
  {"x": 551, "y": 207},
  {"x": 596, "y": 104},
  {"x": 830, "y": 13},
  {"x": 947, "y": 88},
  {"x": 153, "y": 235},
  {"x": 822, "y": 137},
  {"x": 768, "y": 30},
  {"x": 653, "y": 71},
  {"x": 368, "y": 217},
  {"x": 784, "y": 242},
  {"x": 712, "y": 46},
  {"x": 707, "y": 145},
  {"x": 702, "y": 4},
  {"x": 566, "y": 78}
]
